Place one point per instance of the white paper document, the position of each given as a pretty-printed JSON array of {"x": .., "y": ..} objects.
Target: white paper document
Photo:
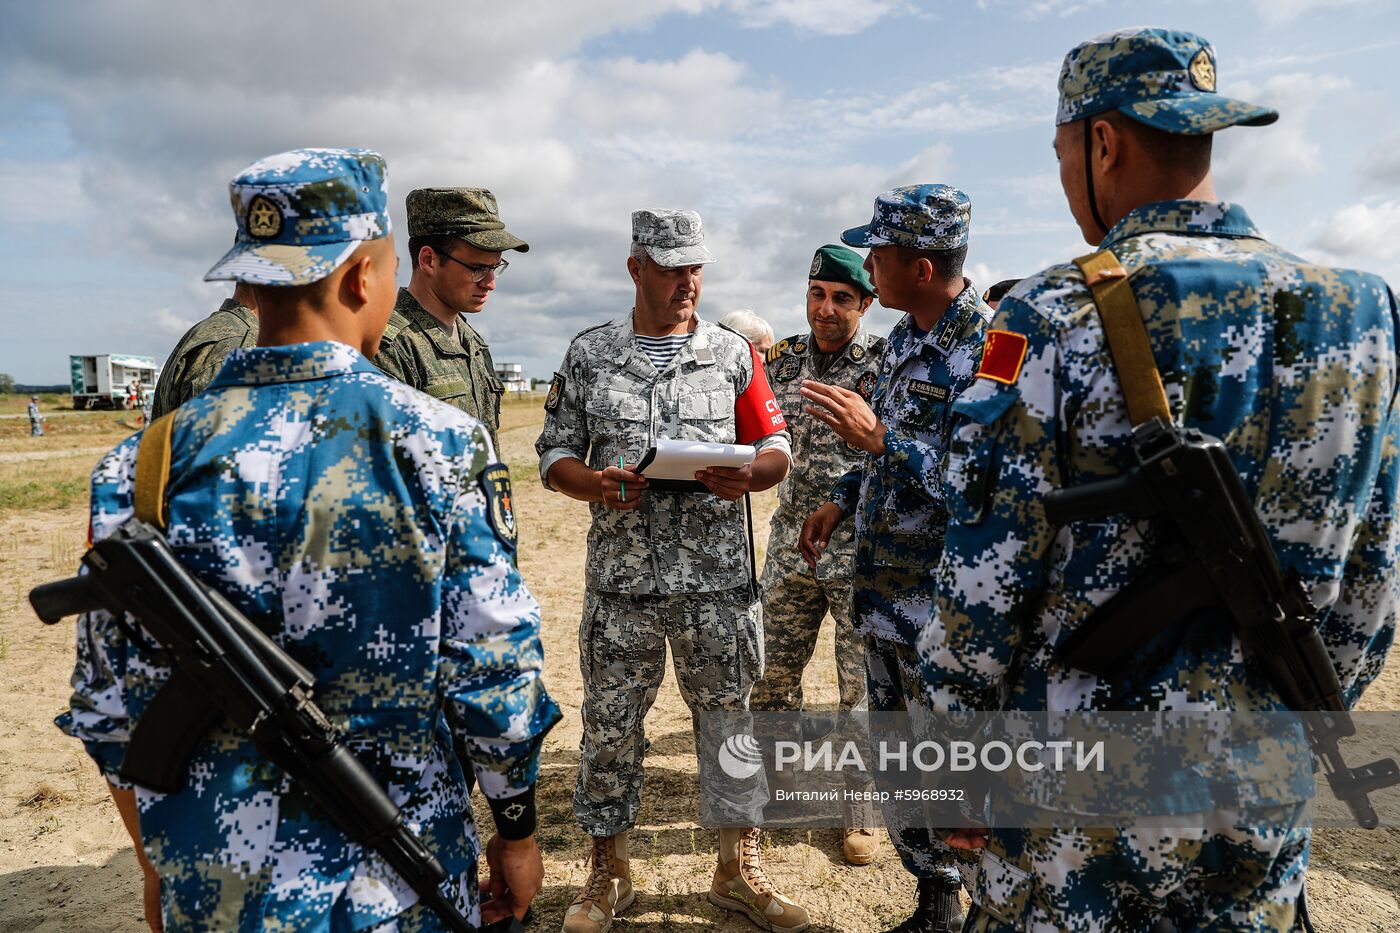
[{"x": 680, "y": 460}]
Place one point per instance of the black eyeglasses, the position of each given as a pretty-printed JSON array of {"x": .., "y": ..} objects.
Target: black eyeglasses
[{"x": 477, "y": 270}]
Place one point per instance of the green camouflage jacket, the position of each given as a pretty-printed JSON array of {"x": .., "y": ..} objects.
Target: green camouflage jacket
[
  {"x": 198, "y": 356},
  {"x": 416, "y": 349}
]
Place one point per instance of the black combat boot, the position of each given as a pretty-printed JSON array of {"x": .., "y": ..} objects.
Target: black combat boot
[{"x": 938, "y": 910}]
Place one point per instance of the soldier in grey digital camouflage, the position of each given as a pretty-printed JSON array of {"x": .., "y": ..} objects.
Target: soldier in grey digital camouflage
[
  {"x": 36, "y": 417},
  {"x": 455, "y": 242},
  {"x": 838, "y": 350},
  {"x": 918, "y": 239},
  {"x": 1293, "y": 367},
  {"x": 196, "y": 359},
  {"x": 365, "y": 527},
  {"x": 664, "y": 566}
]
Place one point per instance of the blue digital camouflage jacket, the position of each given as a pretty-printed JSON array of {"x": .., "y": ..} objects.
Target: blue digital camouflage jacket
[
  {"x": 897, "y": 499},
  {"x": 345, "y": 514},
  {"x": 1291, "y": 365}
]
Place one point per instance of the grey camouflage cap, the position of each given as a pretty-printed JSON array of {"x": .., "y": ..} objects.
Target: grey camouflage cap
[
  {"x": 671, "y": 238},
  {"x": 467, "y": 213}
]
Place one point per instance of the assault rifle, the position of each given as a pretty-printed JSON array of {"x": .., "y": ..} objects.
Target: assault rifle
[
  {"x": 225, "y": 666},
  {"x": 1222, "y": 557}
]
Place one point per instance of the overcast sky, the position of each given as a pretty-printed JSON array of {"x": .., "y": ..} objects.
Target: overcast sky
[{"x": 779, "y": 120}]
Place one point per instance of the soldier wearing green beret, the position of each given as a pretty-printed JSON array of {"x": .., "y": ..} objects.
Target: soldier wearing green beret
[
  {"x": 455, "y": 242},
  {"x": 837, "y": 350}
]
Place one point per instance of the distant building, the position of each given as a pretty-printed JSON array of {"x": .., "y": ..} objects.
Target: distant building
[
  {"x": 101, "y": 380},
  {"x": 511, "y": 375}
]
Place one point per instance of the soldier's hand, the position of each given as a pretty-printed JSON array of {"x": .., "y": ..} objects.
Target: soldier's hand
[
  {"x": 621, "y": 489},
  {"x": 967, "y": 837},
  {"x": 517, "y": 872},
  {"x": 728, "y": 483},
  {"x": 816, "y": 532},
  {"x": 846, "y": 413},
  {"x": 151, "y": 902}
]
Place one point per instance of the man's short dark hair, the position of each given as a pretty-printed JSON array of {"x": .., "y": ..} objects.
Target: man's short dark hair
[
  {"x": 1175, "y": 152},
  {"x": 948, "y": 263},
  {"x": 998, "y": 291},
  {"x": 440, "y": 242}
]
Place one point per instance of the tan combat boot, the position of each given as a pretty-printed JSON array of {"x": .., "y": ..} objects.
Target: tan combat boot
[
  {"x": 858, "y": 838},
  {"x": 741, "y": 885},
  {"x": 608, "y": 890}
]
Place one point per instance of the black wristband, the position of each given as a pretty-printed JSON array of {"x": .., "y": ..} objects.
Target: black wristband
[{"x": 515, "y": 816}]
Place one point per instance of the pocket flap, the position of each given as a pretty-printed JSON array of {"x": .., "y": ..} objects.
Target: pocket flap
[
  {"x": 983, "y": 407},
  {"x": 705, "y": 406}
]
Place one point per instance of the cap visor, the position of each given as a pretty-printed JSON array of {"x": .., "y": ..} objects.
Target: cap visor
[
  {"x": 1198, "y": 114},
  {"x": 861, "y": 236},
  {"x": 680, "y": 256},
  {"x": 496, "y": 241},
  {"x": 277, "y": 264}
]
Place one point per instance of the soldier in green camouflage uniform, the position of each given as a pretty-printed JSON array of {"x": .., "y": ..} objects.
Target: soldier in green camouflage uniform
[
  {"x": 196, "y": 359},
  {"x": 455, "y": 242},
  {"x": 838, "y": 350}
]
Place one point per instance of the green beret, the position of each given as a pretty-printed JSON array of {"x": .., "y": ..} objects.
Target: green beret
[{"x": 834, "y": 263}]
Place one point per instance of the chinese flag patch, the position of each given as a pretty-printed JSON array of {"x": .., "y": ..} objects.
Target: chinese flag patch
[{"x": 1002, "y": 356}]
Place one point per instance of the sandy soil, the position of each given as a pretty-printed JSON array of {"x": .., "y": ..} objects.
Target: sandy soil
[{"x": 65, "y": 863}]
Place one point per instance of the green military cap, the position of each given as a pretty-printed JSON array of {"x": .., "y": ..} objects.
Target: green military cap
[
  {"x": 834, "y": 263},
  {"x": 468, "y": 213}
]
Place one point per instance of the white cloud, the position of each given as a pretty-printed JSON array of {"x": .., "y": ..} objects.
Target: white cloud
[
  {"x": 825, "y": 17},
  {"x": 1365, "y": 236},
  {"x": 1042, "y": 9},
  {"x": 1266, "y": 158},
  {"x": 1280, "y": 12},
  {"x": 1382, "y": 163}
]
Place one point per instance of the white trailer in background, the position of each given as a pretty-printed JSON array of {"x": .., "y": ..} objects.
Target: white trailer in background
[
  {"x": 101, "y": 380},
  {"x": 512, "y": 376}
]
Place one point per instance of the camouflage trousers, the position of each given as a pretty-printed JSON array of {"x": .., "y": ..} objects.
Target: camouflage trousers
[
  {"x": 717, "y": 644},
  {"x": 896, "y": 686},
  {"x": 419, "y": 919},
  {"x": 1228, "y": 870},
  {"x": 794, "y": 604},
  {"x": 36, "y": 429}
]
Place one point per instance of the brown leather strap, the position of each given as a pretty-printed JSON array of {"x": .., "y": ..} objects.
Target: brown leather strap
[
  {"x": 153, "y": 471},
  {"x": 1127, "y": 337}
]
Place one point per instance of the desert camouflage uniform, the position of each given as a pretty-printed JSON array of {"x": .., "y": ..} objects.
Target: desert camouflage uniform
[
  {"x": 1293, "y": 367},
  {"x": 795, "y": 598},
  {"x": 900, "y": 518},
  {"x": 196, "y": 359},
  {"x": 676, "y": 568},
  {"x": 401, "y": 597},
  {"x": 454, "y": 367}
]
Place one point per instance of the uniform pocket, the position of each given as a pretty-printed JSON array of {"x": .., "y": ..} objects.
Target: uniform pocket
[
  {"x": 972, "y": 449},
  {"x": 707, "y": 416},
  {"x": 617, "y": 427},
  {"x": 447, "y": 390}
]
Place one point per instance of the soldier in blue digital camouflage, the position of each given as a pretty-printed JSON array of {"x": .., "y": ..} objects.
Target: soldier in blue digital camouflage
[
  {"x": 665, "y": 567},
  {"x": 918, "y": 242},
  {"x": 839, "y": 350},
  {"x": 1293, "y": 367},
  {"x": 36, "y": 417},
  {"x": 365, "y": 526}
]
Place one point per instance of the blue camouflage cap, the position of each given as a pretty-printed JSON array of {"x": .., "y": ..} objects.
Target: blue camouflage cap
[
  {"x": 302, "y": 213},
  {"x": 917, "y": 216},
  {"x": 1161, "y": 77}
]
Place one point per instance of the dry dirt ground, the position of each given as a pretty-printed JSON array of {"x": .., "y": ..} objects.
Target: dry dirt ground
[{"x": 65, "y": 863}]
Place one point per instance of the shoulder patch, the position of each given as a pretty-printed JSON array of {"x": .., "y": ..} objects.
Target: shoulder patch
[
  {"x": 1002, "y": 356},
  {"x": 495, "y": 484},
  {"x": 556, "y": 392},
  {"x": 788, "y": 369},
  {"x": 776, "y": 350},
  {"x": 865, "y": 385}
]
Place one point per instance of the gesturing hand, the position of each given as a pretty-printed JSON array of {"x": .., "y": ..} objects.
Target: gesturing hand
[{"x": 846, "y": 413}]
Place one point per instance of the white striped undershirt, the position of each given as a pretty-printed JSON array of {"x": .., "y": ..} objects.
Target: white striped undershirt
[{"x": 661, "y": 350}]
